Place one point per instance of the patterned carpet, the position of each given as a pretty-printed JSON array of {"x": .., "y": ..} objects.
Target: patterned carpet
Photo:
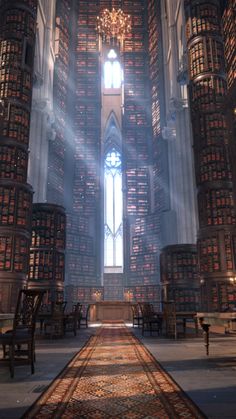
[{"x": 113, "y": 376}]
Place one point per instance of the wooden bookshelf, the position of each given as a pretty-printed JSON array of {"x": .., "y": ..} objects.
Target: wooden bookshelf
[
  {"x": 18, "y": 25},
  {"x": 47, "y": 250},
  {"x": 229, "y": 30},
  {"x": 216, "y": 203},
  {"x": 57, "y": 147},
  {"x": 180, "y": 276}
]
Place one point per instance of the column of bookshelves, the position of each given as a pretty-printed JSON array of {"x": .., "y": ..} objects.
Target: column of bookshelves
[
  {"x": 47, "y": 251},
  {"x": 144, "y": 251},
  {"x": 229, "y": 31},
  {"x": 141, "y": 266},
  {"x": 56, "y": 151},
  {"x": 84, "y": 294},
  {"x": 144, "y": 293},
  {"x": 156, "y": 92},
  {"x": 180, "y": 277},
  {"x": 82, "y": 259},
  {"x": 17, "y": 39},
  {"x": 212, "y": 164}
]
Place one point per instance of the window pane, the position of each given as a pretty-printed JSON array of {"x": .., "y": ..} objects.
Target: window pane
[
  {"x": 109, "y": 200},
  {"x": 118, "y": 201},
  {"x": 113, "y": 231},
  {"x": 119, "y": 251},
  {"x": 109, "y": 260},
  {"x": 112, "y": 54},
  {"x": 116, "y": 73},
  {"x": 108, "y": 74}
]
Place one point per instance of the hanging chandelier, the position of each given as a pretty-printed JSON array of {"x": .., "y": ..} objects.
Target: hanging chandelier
[{"x": 113, "y": 25}]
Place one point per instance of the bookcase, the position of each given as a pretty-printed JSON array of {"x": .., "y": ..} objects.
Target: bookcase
[
  {"x": 144, "y": 251},
  {"x": 144, "y": 293},
  {"x": 180, "y": 276},
  {"x": 84, "y": 215},
  {"x": 17, "y": 39},
  {"x": 57, "y": 147},
  {"x": 142, "y": 260},
  {"x": 154, "y": 64},
  {"x": 229, "y": 31},
  {"x": 47, "y": 250},
  {"x": 216, "y": 202}
]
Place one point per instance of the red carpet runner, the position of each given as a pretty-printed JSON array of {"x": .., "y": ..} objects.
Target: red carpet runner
[{"x": 113, "y": 376}]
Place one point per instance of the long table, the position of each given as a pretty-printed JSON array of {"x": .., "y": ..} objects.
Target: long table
[
  {"x": 208, "y": 319},
  {"x": 6, "y": 321},
  {"x": 174, "y": 318},
  {"x": 111, "y": 310}
]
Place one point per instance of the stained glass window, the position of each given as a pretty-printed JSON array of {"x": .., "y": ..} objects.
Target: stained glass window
[
  {"x": 112, "y": 71},
  {"x": 113, "y": 227}
]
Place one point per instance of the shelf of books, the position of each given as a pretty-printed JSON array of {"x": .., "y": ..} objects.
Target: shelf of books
[
  {"x": 230, "y": 41},
  {"x": 137, "y": 141},
  {"x": 216, "y": 204},
  {"x": 144, "y": 293},
  {"x": 180, "y": 276},
  {"x": 47, "y": 250},
  {"x": 17, "y": 41},
  {"x": 154, "y": 64},
  {"x": 145, "y": 249},
  {"x": 84, "y": 294},
  {"x": 229, "y": 32},
  {"x": 82, "y": 237},
  {"x": 57, "y": 147}
]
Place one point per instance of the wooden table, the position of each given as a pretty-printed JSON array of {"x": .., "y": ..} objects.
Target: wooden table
[
  {"x": 111, "y": 310},
  {"x": 206, "y": 320},
  {"x": 6, "y": 321},
  {"x": 187, "y": 315},
  {"x": 173, "y": 318}
]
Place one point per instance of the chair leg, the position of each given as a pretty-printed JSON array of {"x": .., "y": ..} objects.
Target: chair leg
[
  {"x": 11, "y": 359},
  {"x": 4, "y": 351},
  {"x": 31, "y": 355}
]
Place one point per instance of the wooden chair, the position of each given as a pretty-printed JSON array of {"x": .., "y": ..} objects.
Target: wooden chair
[
  {"x": 83, "y": 320},
  {"x": 71, "y": 319},
  {"x": 54, "y": 326},
  {"x": 137, "y": 316},
  {"x": 43, "y": 314},
  {"x": 19, "y": 343},
  {"x": 172, "y": 323},
  {"x": 151, "y": 321}
]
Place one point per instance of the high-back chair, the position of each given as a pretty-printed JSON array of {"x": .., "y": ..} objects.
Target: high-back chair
[
  {"x": 83, "y": 320},
  {"x": 19, "y": 344},
  {"x": 71, "y": 319},
  {"x": 54, "y": 326},
  {"x": 151, "y": 321},
  {"x": 137, "y": 316}
]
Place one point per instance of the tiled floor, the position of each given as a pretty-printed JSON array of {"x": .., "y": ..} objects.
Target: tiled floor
[{"x": 209, "y": 381}]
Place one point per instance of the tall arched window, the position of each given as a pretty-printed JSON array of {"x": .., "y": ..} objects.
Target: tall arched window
[
  {"x": 113, "y": 228},
  {"x": 112, "y": 71}
]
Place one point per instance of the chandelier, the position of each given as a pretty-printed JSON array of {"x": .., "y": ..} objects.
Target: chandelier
[{"x": 113, "y": 25}]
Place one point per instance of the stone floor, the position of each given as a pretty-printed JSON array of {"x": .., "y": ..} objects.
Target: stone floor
[{"x": 209, "y": 381}]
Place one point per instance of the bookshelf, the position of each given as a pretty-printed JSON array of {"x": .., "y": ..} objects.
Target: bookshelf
[
  {"x": 180, "y": 277},
  {"x": 83, "y": 218},
  {"x": 47, "y": 250},
  {"x": 229, "y": 31},
  {"x": 216, "y": 202},
  {"x": 57, "y": 147},
  {"x": 18, "y": 24}
]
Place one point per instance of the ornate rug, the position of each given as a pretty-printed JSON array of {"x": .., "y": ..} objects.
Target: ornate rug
[{"x": 113, "y": 376}]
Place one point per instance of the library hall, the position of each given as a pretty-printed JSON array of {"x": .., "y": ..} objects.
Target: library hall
[{"x": 117, "y": 209}]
